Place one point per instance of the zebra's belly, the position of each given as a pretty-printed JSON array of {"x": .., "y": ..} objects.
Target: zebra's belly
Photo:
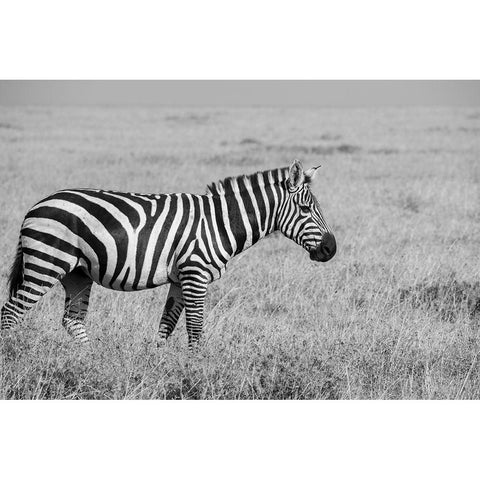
[{"x": 132, "y": 276}]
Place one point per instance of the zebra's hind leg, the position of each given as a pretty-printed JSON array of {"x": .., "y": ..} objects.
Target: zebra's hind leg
[
  {"x": 11, "y": 313},
  {"x": 35, "y": 280},
  {"x": 171, "y": 313},
  {"x": 77, "y": 285}
]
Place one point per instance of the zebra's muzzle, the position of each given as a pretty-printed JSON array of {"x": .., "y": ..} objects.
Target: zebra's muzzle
[{"x": 325, "y": 250}]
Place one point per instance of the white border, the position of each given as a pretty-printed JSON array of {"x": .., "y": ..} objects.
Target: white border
[
  {"x": 249, "y": 439},
  {"x": 252, "y": 39}
]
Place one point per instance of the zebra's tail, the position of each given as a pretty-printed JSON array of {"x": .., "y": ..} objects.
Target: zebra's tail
[{"x": 15, "y": 278}]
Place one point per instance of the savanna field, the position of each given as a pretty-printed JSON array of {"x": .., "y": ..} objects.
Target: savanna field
[{"x": 394, "y": 315}]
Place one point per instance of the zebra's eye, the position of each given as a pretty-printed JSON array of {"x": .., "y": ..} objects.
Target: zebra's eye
[{"x": 305, "y": 208}]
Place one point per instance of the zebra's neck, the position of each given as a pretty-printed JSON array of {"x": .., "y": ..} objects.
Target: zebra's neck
[{"x": 247, "y": 207}]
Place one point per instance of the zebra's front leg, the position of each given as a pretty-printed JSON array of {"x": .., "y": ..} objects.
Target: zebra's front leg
[
  {"x": 171, "y": 313},
  {"x": 194, "y": 289}
]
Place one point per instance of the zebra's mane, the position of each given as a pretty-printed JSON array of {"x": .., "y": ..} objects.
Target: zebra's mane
[{"x": 245, "y": 182}]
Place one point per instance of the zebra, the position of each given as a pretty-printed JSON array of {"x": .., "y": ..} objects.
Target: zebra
[{"x": 129, "y": 242}]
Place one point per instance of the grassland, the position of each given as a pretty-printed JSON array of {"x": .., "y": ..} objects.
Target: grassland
[{"x": 395, "y": 314}]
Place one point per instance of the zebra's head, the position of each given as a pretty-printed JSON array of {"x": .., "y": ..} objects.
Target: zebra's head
[{"x": 300, "y": 217}]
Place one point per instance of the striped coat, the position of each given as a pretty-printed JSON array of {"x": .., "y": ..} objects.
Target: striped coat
[{"x": 129, "y": 242}]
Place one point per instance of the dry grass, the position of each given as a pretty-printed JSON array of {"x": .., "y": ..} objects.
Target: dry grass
[{"x": 394, "y": 315}]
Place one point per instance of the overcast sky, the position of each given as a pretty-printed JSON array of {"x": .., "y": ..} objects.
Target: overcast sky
[{"x": 240, "y": 92}]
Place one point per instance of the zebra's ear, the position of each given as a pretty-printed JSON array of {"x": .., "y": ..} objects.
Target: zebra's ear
[
  {"x": 310, "y": 174},
  {"x": 295, "y": 175}
]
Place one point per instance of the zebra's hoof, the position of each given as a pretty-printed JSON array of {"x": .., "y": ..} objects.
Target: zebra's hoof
[{"x": 161, "y": 342}]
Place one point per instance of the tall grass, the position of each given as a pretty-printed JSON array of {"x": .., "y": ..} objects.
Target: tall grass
[{"x": 394, "y": 315}]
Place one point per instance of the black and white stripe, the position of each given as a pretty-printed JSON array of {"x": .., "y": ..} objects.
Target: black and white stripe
[{"x": 129, "y": 242}]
